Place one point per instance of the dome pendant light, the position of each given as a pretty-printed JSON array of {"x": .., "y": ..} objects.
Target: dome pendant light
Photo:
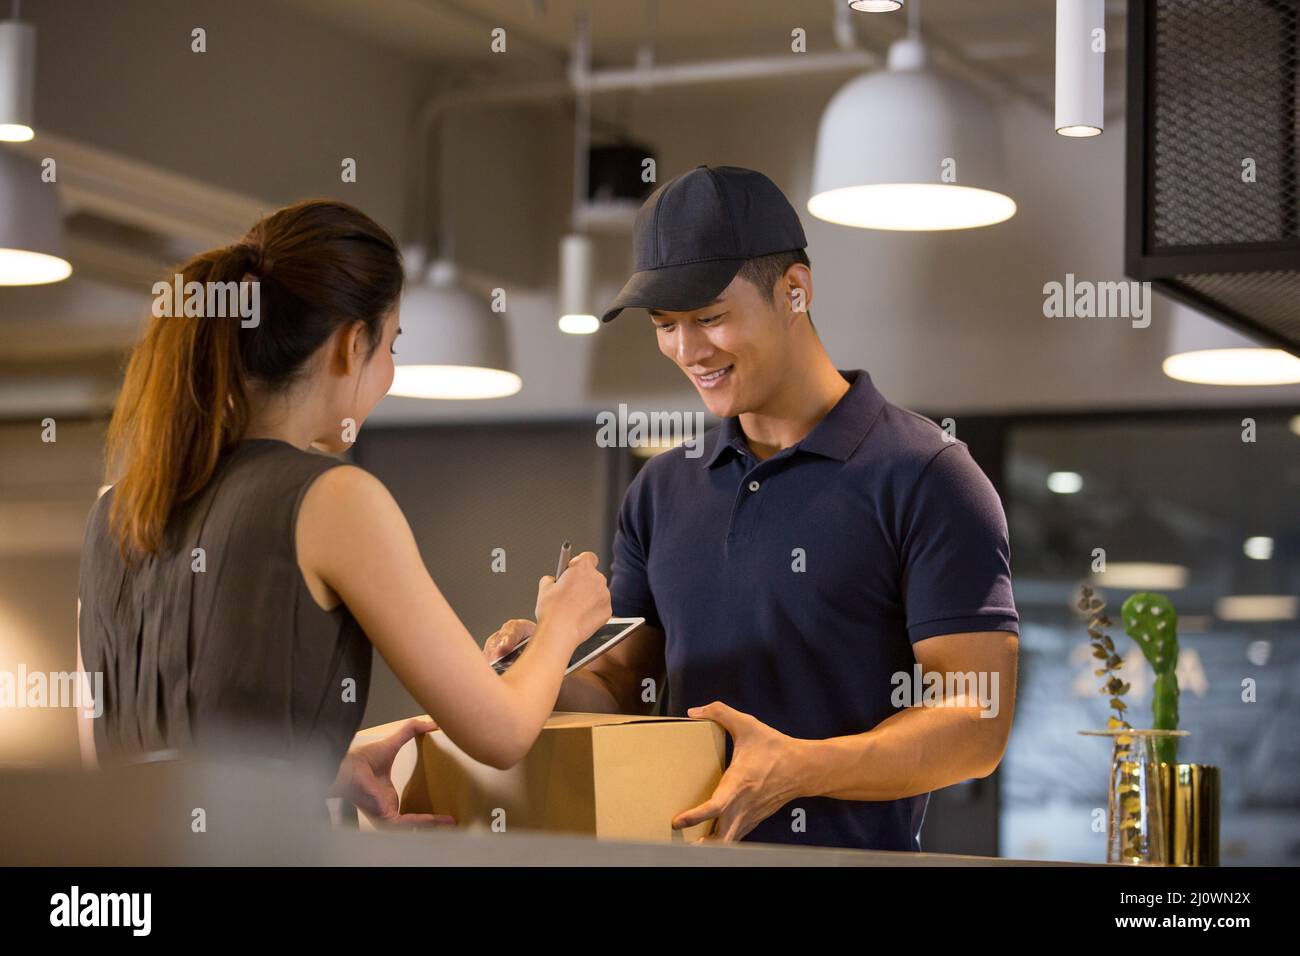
[
  {"x": 17, "y": 81},
  {"x": 1080, "y": 67},
  {"x": 452, "y": 344},
  {"x": 1205, "y": 352},
  {"x": 909, "y": 148},
  {"x": 31, "y": 225}
]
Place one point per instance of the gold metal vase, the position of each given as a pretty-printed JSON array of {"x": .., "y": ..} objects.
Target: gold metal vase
[{"x": 1191, "y": 817}]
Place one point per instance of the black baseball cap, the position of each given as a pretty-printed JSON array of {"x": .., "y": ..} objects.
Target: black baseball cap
[{"x": 695, "y": 232}]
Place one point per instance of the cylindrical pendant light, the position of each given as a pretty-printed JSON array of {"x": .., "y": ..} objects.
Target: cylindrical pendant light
[
  {"x": 1080, "y": 67},
  {"x": 452, "y": 345},
  {"x": 17, "y": 81},
  {"x": 31, "y": 225},
  {"x": 909, "y": 148},
  {"x": 576, "y": 268},
  {"x": 576, "y": 255},
  {"x": 1206, "y": 352}
]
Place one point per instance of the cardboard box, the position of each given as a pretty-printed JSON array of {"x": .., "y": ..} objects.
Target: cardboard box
[{"x": 615, "y": 776}]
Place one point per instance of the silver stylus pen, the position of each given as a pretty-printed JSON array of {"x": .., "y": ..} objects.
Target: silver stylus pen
[{"x": 564, "y": 560}]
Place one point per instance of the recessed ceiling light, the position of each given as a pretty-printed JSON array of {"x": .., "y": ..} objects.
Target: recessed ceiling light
[
  {"x": 1142, "y": 576},
  {"x": 1259, "y": 548},
  {"x": 1258, "y": 652},
  {"x": 1065, "y": 482},
  {"x": 1257, "y": 607}
]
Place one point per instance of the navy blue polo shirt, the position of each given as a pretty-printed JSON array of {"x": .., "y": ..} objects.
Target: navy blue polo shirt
[{"x": 794, "y": 588}]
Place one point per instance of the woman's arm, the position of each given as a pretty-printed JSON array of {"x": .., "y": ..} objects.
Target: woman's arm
[
  {"x": 352, "y": 536},
  {"x": 85, "y": 729}
]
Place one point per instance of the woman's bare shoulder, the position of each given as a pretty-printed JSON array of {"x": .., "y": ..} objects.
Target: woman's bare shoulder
[{"x": 346, "y": 513}]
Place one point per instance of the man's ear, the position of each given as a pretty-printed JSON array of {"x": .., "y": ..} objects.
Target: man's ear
[{"x": 797, "y": 289}]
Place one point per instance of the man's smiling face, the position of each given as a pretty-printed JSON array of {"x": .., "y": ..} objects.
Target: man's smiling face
[{"x": 732, "y": 350}]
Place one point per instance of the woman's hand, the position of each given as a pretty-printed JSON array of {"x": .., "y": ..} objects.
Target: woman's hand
[
  {"x": 365, "y": 779},
  {"x": 505, "y": 640},
  {"x": 579, "y": 602}
]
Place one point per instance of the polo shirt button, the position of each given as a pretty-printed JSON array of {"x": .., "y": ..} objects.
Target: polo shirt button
[{"x": 753, "y": 486}]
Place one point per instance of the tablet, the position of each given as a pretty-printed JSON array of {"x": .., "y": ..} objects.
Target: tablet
[{"x": 606, "y": 636}]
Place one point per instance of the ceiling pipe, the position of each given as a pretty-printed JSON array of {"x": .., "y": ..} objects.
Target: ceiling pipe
[
  {"x": 583, "y": 80},
  {"x": 724, "y": 71}
]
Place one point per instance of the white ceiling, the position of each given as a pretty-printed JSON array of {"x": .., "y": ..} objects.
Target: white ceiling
[{"x": 291, "y": 113}]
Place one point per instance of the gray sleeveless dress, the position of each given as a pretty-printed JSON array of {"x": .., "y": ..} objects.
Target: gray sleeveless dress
[{"x": 233, "y": 657}]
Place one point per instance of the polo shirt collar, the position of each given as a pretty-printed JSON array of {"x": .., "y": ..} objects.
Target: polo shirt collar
[
  {"x": 836, "y": 436},
  {"x": 726, "y": 437}
]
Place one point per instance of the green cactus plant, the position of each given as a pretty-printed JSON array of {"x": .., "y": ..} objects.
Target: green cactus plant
[{"x": 1151, "y": 621}]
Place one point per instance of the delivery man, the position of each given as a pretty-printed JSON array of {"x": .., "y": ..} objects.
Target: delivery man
[{"x": 794, "y": 575}]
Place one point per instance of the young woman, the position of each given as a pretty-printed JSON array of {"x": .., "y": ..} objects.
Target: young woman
[{"x": 233, "y": 580}]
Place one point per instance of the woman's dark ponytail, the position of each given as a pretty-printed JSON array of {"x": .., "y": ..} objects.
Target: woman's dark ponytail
[{"x": 318, "y": 265}]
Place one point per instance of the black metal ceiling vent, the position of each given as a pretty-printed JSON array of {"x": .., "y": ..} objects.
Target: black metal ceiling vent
[{"x": 1213, "y": 204}]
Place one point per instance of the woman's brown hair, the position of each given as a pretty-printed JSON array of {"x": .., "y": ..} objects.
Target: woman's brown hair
[{"x": 319, "y": 264}]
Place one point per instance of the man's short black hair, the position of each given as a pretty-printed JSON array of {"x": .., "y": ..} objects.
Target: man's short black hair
[{"x": 763, "y": 271}]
